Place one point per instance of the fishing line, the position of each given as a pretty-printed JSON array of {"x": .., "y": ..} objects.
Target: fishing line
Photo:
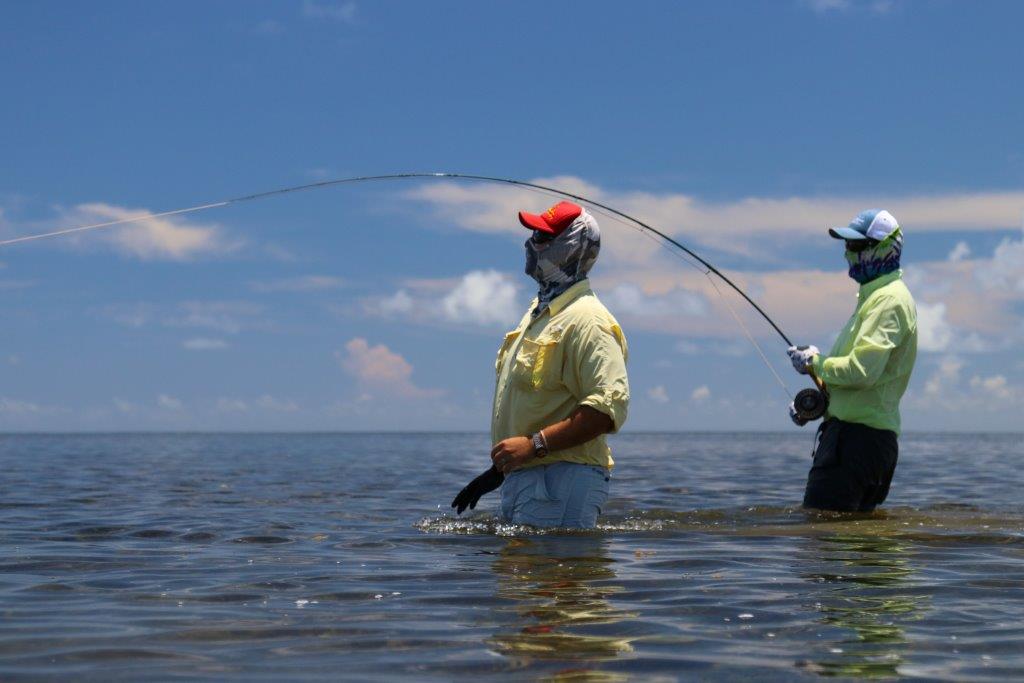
[
  {"x": 721, "y": 294},
  {"x": 122, "y": 221},
  {"x": 661, "y": 245},
  {"x": 746, "y": 331},
  {"x": 397, "y": 176},
  {"x": 728, "y": 305},
  {"x": 611, "y": 212}
]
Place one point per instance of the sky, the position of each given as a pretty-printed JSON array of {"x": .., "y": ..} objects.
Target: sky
[{"x": 742, "y": 129}]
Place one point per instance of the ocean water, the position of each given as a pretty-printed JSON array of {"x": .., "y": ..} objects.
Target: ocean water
[{"x": 335, "y": 557}]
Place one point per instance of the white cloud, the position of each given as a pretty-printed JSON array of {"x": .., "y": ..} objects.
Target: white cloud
[
  {"x": 231, "y": 405},
  {"x": 167, "y": 238},
  {"x": 632, "y": 301},
  {"x": 723, "y": 225},
  {"x": 980, "y": 300},
  {"x": 381, "y": 370},
  {"x": 126, "y": 407},
  {"x": 305, "y": 283},
  {"x": 482, "y": 298},
  {"x": 803, "y": 302},
  {"x": 686, "y": 347},
  {"x": 933, "y": 330},
  {"x": 995, "y": 386},
  {"x": 959, "y": 252},
  {"x": 947, "y": 392},
  {"x": 641, "y": 285},
  {"x": 229, "y": 317},
  {"x": 277, "y": 405},
  {"x": 1006, "y": 269},
  {"x": 701, "y": 393},
  {"x": 344, "y": 12},
  {"x": 204, "y": 344},
  {"x": 226, "y": 317},
  {"x": 734, "y": 348},
  {"x": 658, "y": 394},
  {"x": 129, "y": 315},
  {"x": 953, "y": 306},
  {"x": 266, "y": 403},
  {"x": 946, "y": 375},
  {"x": 398, "y": 303},
  {"x": 168, "y": 402},
  {"x": 17, "y": 407}
]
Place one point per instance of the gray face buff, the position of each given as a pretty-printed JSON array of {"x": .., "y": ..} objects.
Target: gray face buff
[{"x": 560, "y": 262}]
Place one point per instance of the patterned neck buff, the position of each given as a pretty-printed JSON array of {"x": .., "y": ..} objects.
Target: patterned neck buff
[
  {"x": 876, "y": 261},
  {"x": 557, "y": 264}
]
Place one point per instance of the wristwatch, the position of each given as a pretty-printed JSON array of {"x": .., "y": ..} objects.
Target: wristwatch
[{"x": 540, "y": 444}]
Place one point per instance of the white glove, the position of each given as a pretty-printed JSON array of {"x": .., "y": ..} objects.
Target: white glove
[
  {"x": 797, "y": 420},
  {"x": 802, "y": 356}
]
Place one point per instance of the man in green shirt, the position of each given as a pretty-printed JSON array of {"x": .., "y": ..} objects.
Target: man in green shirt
[{"x": 865, "y": 373}]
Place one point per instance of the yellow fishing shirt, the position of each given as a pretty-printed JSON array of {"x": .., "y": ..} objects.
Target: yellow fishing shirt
[
  {"x": 869, "y": 366},
  {"x": 572, "y": 353}
]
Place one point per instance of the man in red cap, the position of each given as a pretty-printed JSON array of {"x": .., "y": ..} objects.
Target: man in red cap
[{"x": 561, "y": 385}]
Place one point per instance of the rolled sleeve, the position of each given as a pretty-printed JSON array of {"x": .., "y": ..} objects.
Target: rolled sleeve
[{"x": 596, "y": 370}]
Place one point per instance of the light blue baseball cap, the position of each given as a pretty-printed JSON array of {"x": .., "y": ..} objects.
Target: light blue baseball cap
[{"x": 874, "y": 224}]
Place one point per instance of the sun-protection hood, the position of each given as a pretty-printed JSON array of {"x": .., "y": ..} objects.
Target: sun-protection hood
[
  {"x": 559, "y": 263},
  {"x": 877, "y": 260}
]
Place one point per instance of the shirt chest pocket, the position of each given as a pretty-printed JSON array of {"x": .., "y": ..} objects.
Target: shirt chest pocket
[
  {"x": 538, "y": 362},
  {"x": 510, "y": 339}
]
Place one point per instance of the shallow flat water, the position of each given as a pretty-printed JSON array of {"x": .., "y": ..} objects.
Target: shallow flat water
[{"x": 326, "y": 557}]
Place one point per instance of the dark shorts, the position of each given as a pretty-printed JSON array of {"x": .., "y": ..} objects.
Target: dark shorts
[{"x": 853, "y": 467}]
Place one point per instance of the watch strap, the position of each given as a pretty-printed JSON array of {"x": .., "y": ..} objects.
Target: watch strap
[{"x": 540, "y": 446}]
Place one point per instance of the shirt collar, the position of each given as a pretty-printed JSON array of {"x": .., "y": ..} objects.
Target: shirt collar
[
  {"x": 565, "y": 298},
  {"x": 868, "y": 288}
]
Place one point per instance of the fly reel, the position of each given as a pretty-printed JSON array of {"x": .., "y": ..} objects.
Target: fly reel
[{"x": 810, "y": 404}]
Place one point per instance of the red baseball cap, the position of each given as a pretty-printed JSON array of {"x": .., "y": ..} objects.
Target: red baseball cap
[{"x": 554, "y": 220}]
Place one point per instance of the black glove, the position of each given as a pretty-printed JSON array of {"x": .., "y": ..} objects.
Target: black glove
[{"x": 470, "y": 495}]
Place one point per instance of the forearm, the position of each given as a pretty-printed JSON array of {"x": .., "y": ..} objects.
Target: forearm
[{"x": 583, "y": 425}]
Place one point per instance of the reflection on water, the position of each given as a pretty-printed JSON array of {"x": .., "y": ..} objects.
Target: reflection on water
[
  {"x": 868, "y": 577},
  {"x": 560, "y": 587}
]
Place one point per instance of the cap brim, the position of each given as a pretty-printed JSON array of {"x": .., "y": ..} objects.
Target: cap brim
[
  {"x": 534, "y": 222},
  {"x": 846, "y": 234}
]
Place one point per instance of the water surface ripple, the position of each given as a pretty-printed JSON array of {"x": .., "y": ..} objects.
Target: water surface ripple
[{"x": 334, "y": 556}]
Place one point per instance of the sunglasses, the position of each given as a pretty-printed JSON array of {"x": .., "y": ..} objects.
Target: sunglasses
[{"x": 857, "y": 246}]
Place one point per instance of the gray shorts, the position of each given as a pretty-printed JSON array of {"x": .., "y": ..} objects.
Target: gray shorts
[{"x": 562, "y": 494}]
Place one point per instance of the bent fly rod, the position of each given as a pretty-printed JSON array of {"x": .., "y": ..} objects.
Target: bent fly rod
[{"x": 805, "y": 402}]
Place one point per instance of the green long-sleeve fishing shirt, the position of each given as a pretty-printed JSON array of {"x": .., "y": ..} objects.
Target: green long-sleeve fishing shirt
[{"x": 869, "y": 366}]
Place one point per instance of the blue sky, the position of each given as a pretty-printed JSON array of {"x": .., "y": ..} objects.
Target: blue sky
[{"x": 743, "y": 129}]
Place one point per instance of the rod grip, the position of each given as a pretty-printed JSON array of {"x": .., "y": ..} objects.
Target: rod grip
[{"x": 817, "y": 380}]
